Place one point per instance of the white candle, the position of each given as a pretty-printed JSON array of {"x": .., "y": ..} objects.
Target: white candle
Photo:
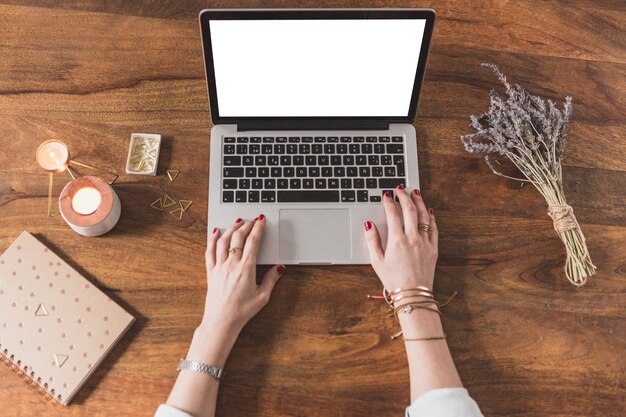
[
  {"x": 53, "y": 155},
  {"x": 86, "y": 200}
]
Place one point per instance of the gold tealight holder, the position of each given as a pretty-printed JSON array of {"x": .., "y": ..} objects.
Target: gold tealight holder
[{"x": 54, "y": 156}]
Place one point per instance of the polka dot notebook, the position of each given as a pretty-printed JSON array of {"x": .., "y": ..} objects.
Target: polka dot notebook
[{"x": 55, "y": 326}]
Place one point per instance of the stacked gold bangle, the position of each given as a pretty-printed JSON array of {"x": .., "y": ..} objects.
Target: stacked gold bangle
[{"x": 408, "y": 299}]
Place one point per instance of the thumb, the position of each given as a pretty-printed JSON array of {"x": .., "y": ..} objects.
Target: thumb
[
  {"x": 372, "y": 237},
  {"x": 270, "y": 278}
]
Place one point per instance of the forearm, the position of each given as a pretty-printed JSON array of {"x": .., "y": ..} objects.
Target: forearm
[
  {"x": 430, "y": 362},
  {"x": 194, "y": 392}
]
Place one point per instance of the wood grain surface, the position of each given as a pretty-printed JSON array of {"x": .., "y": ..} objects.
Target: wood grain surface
[{"x": 526, "y": 342}]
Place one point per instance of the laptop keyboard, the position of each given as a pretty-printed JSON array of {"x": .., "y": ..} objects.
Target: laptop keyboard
[{"x": 311, "y": 169}]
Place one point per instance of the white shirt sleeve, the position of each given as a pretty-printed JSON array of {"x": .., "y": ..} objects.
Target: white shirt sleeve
[
  {"x": 165, "y": 410},
  {"x": 444, "y": 402}
]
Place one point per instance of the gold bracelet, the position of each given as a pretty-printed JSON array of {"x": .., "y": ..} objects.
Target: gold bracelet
[{"x": 417, "y": 339}]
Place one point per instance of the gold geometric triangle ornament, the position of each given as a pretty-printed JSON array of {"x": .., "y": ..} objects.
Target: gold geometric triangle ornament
[
  {"x": 60, "y": 359},
  {"x": 178, "y": 213},
  {"x": 172, "y": 174},
  {"x": 157, "y": 204},
  {"x": 184, "y": 204},
  {"x": 41, "y": 311},
  {"x": 168, "y": 201}
]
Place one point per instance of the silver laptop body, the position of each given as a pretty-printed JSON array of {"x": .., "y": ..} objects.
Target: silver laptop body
[{"x": 317, "y": 168}]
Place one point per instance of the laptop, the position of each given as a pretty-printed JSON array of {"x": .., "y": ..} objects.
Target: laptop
[{"x": 312, "y": 112}]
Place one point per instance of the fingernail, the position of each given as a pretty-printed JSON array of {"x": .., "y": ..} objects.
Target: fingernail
[
  {"x": 280, "y": 269},
  {"x": 238, "y": 220},
  {"x": 417, "y": 192},
  {"x": 431, "y": 211},
  {"x": 387, "y": 194},
  {"x": 261, "y": 217},
  {"x": 215, "y": 230},
  {"x": 400, "y": 187},
  {"x": 367, "y": 225}
]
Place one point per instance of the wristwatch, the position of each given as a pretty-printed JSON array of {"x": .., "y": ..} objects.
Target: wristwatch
[{"x": 214, "y": 371}]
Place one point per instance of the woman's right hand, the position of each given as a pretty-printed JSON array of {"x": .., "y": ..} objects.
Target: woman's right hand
[{"x": 410, "y": 255}]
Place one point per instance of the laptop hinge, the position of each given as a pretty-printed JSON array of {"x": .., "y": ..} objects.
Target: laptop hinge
[{"x": 313, "y": 125}]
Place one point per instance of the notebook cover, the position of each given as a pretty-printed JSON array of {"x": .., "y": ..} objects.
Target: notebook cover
[{"x": 55, "y": 326}]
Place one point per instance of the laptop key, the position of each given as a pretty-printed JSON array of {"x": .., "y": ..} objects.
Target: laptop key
[
  {"x": 282, "y": 183},
  {"x": 333, "y": 139},
  {"x": 228, "y": 196},
  {"x": 307, "y": 139},
  {"x": 364, "y": 171},
  {"x": 384, "y": 139},
  {"x": 242, "y": 149},
  {"x": 229, "y": 184},
  {"x": 327, "y": 172},
  {"x": 301, "y": 172},
  {"x": 269, "y": 183},
  {"x": 268, "y": 196},
  {"x": 348, "y": 160},
  {"x": 390, "y": 182},
  {"x": 314, "y": 172},
  {"x": 329, "y": 148},
  {"x": 373, "y": 160},
  {"x": 342, "y": 148},
  {"x": 352, "y": 172},
  {"x": 395, "y": 148},
  {"x": 244, "y": 183},
  {"x": 320, "y": 139},
  {"x": 264, "y": 172},
  {"x": 362, "y": 196},
  {"x": 289, "y": 172},
  {"x": 294, "y": 139},
  {"x": 366, "y": 148},
  {"x": 229, "y": 149},
  {"x": 354, "y": 148},
  {"x": 285, "y": 160},
  {"x": 317, "y": 148},
  {"x": 304, "y": 149},
  {"x": 253, "y": 197},
  {"x": 371, "y": 139},
  {"x": 277, "y": 172},
  {"x": 292, "y": 149},
  {"x": 254, "y": 149},
  {"x": 396, "y": 138},
  {"x": 375, "y": 199},
  {"x": 320, "y": 183},
  {"x": 298, "y": 160},
  {"x": 307, "y": 183},
  {"x": 359, "y": 139},
  {"x": 295, "y": 183},
  {"x": 315, "y": 196},
  {"x": 267, "y": 149},
  {"x": 229, "y": 140},
  {"x": 250, "y": 172},
  {"x": 333, "y": 183},
  {"x": 247, "y": 160},
  {"x": 311, "y": 160},
  {"x": 268, "y": 139},
  {"x": 378, "y": 172},
  {"x": 272, "y": 160},
  {"x": 281, "y": 139},
  {"x": 335, "y": 160},
  {"x": 346, "y": 183},
  {"x": 348, "y": 196},
  {"x": 390, "y": 171},
  {"x": 371, "y": 183},
  {"x": 242, "y": 140},
  {"x": 240, "y": 196},
  {"x": 345, "y": 139},
  {"x": 279, "y": 149},
  {"x": 257, "y": 184},
  {"x": 260, "y": 160},
  {"x": 339, "y": 172},
  {"x": 233, "y": 172},
  {"x": 322, "y": 160},
  {"x": 379, "y": 148},
  {"x": 385, "y": 159},
  {"x": 359, "y": 183},
  {"x": 361, "y": 160},
  {"x": 232, "y": 160},
  {"x": 255, "y": 140}
]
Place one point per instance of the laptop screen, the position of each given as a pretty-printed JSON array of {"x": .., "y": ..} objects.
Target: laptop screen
[{"x": 316, "y": 67}]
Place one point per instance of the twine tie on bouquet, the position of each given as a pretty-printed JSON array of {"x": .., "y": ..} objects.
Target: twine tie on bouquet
[{"x": 563, "y": 218}]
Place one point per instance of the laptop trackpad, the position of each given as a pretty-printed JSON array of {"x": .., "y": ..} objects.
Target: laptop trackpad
[{"x": 319, "y": 235}]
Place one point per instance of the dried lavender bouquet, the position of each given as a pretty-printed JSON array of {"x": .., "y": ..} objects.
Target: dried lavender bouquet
[{"x": 532, "y": 136}]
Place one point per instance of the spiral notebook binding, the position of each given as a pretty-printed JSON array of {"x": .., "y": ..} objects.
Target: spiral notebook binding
[{"x": 29, "y": 377}]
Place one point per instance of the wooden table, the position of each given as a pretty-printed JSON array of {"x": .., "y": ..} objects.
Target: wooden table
[{"x": 526, "y": 342}]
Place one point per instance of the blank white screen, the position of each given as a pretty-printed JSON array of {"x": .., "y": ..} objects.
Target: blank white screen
[{"x": 315, "y": 68}]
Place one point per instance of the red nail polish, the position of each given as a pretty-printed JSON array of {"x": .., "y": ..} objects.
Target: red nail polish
[
  {"x": 417, "y": 192},
  {"x": 431, "y": 211},
  {"x": 280, "y": 269},
  {"x": 261, "y": 217},
  {"x": 238, "y": 220},
  {"x": 367, "y": 225},
  {"x": 387, "y": 194},
  {"x": 215, "y": 230},
  {"x": 400, "y": 187}
]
